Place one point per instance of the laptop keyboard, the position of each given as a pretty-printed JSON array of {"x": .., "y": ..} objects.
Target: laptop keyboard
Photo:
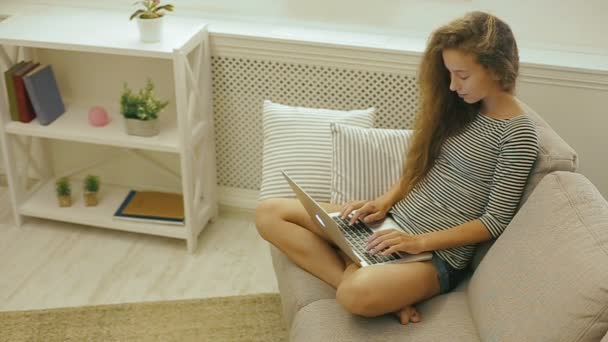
[{"x": 357, "y": 236}]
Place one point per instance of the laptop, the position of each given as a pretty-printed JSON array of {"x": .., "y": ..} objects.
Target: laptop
[{"x": 352, "y": 239}]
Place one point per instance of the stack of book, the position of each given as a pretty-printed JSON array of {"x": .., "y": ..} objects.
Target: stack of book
[
  {"x": 32, "y": 92},
  {"x": 152, "y": 206}
]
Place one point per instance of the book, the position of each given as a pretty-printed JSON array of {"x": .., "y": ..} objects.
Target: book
[
  {"x": 24, "y": 104},
  {"x": 44, "y": 94},
  {"x": 152, "y": 206},
  {"x": 10, "y": 89}
]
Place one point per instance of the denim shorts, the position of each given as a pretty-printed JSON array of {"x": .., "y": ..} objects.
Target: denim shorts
[{"x": 449, "y": 277}]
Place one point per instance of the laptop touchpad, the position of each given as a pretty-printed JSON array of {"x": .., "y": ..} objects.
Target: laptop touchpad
[{"x": 386, "y": 223}]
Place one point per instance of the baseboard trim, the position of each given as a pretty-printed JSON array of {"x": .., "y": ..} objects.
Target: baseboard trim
[{"x": 238, "y": 198}]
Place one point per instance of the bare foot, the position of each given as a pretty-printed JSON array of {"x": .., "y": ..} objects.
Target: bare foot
[{"x": 408, "y": 314}]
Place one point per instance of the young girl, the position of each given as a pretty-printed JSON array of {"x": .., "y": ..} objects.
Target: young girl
[{"x": 470, "y": 157}]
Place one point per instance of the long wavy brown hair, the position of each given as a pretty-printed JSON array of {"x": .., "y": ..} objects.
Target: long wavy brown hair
[{"x": 441, "y": 112}]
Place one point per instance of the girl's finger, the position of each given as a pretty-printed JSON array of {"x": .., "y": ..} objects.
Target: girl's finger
[
  {"x": 359, "y": 213},
  {"x": 385, "y": 241},
  {"x": 388, "y": 243},
  {"x": 349, "y": 207},
  {"x": 346, "y": 211},
  {"x": 377, "y": 216},
  {"x": 379, "y": 233},
  {"x": 377, "y": 238},
  {"x": 391, "y": 250}
]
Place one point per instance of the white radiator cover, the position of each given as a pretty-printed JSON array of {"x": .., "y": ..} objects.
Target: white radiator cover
[{"x": 240, "y": 85}]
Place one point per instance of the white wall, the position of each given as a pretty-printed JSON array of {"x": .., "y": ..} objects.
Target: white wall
[
  {"x": 566, "y": 24},
  {"x": 580, "y": 117},
  {"x": 542, "y": 22}
]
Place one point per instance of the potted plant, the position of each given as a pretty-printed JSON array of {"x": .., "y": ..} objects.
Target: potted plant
[
  {"x": 150, "y": 19},
  {"x": 64, "y": 192},
  {"x": 141, "y": 110},
  {"x": 91, "y": 187}
]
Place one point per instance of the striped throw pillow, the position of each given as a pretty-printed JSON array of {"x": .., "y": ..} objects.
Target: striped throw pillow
[
  {"x": 298, "y": 140},
  {"x": 367, "y": 162}
]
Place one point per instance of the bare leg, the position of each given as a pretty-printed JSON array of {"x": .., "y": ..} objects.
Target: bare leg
[
  {"x": 285, "y": 224},
  {"x": 389, "y": 288},
  {"x": 405, "y": 315},
  {"x": 349, "y": 266}
]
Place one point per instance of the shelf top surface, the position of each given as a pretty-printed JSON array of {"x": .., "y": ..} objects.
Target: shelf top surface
[
  {"x": 95, "y": 31},
  {"x": 73, "y": 125},
  {"x": 43, "y": 203}
]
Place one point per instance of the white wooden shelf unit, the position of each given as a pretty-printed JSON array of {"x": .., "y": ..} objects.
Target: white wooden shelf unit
[{"x": 189, "y": 133}]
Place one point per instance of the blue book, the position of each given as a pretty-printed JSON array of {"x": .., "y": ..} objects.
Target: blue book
[{"x": 44, "y": 93}]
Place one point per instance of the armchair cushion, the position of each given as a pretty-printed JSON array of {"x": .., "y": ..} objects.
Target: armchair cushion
[
  {"x": 546, "y": 277},
  {"x": 445, "y": 318}
]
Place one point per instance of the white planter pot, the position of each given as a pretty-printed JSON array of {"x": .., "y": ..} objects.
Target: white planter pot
[
  {"x": 142, "y": 128},
  {"x": 150, "y": 30}
]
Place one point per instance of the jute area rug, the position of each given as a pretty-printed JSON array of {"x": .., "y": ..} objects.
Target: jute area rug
[{"x": 239, "y": 318}]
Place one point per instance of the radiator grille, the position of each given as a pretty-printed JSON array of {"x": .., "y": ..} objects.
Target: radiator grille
[{"x": 241, "y": 84}]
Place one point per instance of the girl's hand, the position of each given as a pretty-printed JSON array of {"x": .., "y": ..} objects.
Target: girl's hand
[
  {"x": 391, "y": 240},
  {"x": 366, "y": 211}
]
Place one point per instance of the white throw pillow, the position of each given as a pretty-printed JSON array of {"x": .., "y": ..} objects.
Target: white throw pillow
[
  {"x": 366, "y": 162},
  {"x": 298, "y": 140}
]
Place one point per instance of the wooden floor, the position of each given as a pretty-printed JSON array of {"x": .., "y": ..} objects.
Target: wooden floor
[{"x": 46, "y": 264}]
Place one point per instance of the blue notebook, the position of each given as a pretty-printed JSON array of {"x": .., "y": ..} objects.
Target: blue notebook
[{"x": 44, "y": 93}]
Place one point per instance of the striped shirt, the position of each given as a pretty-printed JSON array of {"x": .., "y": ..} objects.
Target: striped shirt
[{"x": 480, "y": 173}]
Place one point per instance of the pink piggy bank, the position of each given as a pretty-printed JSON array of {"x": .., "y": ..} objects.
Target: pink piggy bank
[{"x": 98, "y": 116}]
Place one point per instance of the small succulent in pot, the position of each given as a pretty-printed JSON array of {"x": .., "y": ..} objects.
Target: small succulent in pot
[
  {"x": 64, "y": 192},
  {"x": 91, "y": 188}
]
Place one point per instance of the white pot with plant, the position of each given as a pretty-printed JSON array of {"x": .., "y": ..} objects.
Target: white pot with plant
[
  {"x": 141, "y": 110},
  {"x": 150, "y": 19}
]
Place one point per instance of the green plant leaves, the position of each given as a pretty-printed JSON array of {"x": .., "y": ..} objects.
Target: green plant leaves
[
  {"x": 136, "y": 13},
  {"x": 151, "y": 9},
  {"x": 91, "y": 183},
  {"x": 141, "y": 106},
  {"x": 62, "y": 187}
]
